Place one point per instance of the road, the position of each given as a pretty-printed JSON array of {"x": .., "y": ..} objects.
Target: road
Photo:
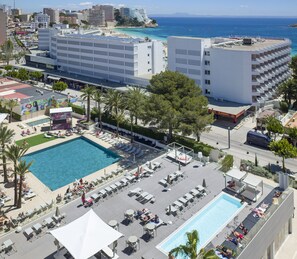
[{"x": 219, "y": 138}]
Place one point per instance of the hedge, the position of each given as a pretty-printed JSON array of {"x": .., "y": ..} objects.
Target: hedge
[
  {"x": 227, "y": 163},
  {"x": 188, "y": 142},
  {"x": 78, "y": 109}
]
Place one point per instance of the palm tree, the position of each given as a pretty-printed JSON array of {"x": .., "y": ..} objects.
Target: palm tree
[
  {"x": 135, "y": 104},
  {"x": 190, "y": 248},
  {"x": 6, "y": 136},
  {"x": 14, "y": 153},
  {"x": 115, "y": 105},
  {"x": 98, "y": 98},
  {"x": 11, "y": 103},
  {"x": 21, "y": 169},
  {"x": 88, "y": 92}
]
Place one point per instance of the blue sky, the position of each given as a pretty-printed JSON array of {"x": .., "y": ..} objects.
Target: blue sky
[{"x": 196, "y": 7}]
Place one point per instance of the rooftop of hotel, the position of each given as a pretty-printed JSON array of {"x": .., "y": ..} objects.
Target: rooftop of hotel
[
  {"x": 238, "y": 43},
  {"x": 114, "y": 206},
  {"x": 104, "y": 38}
]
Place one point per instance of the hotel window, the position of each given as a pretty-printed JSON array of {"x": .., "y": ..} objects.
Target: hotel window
[
  {"x": 206, "y": 53},
  {"x": 207, "y": 72},
  {"x": 207, "y": 82},
  {"x": 207, "y": 91},
  {"x": 206, "y": 62}
]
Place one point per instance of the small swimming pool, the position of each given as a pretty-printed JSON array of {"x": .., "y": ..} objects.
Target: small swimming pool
[
  {"x": 209, "y": 222},
  {"x": 61, "y": 164},
  {"x": 38, "y": 122}
]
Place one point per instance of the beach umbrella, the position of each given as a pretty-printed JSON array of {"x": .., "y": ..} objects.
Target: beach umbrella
[
  {"x": 150, "y": 165},
  {"x": 58, "y": 213},
  {"x": 204, "y": 183},
  {"x": 169, "y": 209},
  {"x": 179, "y": 166},
  {"x": 168, "y": 180}
]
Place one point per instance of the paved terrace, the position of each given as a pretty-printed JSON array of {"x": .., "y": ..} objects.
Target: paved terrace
[{"x": 115, "y": 206}]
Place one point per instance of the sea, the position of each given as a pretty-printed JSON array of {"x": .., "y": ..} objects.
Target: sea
[{"x": 219, "y": 27}]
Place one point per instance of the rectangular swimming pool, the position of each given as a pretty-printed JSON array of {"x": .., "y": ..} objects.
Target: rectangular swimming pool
[
  {"x": 38, "y": 122},
  {"x": 61, "y": 164},
  {"x": 209, "y": 221}
]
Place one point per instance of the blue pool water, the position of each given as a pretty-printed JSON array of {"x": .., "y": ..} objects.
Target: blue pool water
[
  {"x": 61, "y": 164},
  {"x": 209, "y": 222},
  {"x": 37, "y": 122}
]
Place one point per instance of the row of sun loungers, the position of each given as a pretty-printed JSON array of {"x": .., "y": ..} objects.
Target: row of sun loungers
[
  {"x": 197, "y": 192},
  {"x": 130, "y": 149},
  {"x": 171, "y": 177},
  {"x": 142, "y": 197},
  {"x": 37, "y": 229}
]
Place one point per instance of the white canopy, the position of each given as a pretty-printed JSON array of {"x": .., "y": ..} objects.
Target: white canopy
[
  {"x": 252, "y": 180},
  {"x": 86, "y": 235},
  {"x": 3, "y": 117},
  {"x": 236, "y": 174},
  {"x": 60, "y": 110},
  {"x": 54, "y": 78}
]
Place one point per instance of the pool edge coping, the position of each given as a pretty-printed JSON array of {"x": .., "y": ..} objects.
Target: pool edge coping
[{"x": 200, "y": 211}]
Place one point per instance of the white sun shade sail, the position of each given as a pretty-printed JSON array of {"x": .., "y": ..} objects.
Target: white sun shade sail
[
  {"x": 86, "y": 235},
  {"x": 236, "y": 174}
]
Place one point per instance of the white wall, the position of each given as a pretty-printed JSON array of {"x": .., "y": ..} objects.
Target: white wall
[{"x": 230, "y": 75}]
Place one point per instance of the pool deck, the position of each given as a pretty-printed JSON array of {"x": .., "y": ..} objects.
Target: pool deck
[
  {"x": 43, "y": 193},
  {"x": 115, "y": 206}
]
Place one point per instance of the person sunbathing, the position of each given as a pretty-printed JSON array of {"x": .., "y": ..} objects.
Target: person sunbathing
[
  {"x": 233, "y": 240},
  {"x": 243, "y": 228},
  {"x": 277, "y": 194},
  {"x": 238, "y": 235},
  {"x": 231, "y": 184},
  {"x": 258, "y": 213}
]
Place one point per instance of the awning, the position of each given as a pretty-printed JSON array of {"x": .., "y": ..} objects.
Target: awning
[
  {"x": 86, "y": 235},
  {"x": 60, "y": 110},
  {"x": 3, "y": 116},
  {"x": 252, "y": 180},
  {"x": 236, "y": 174},
  {"x": 53, "y": 78}
]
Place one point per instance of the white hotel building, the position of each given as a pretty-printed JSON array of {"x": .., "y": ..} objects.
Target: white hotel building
[
  {"x": 124, "y": 60},
  {"x": 239, "y": 70}
]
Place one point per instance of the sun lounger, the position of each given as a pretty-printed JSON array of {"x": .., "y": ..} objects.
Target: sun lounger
[
  {"x": 140, "y": 154},
  {"x": 29, "y": 195},
  {"x": 102, "y": 193},
  {"x": 195, "y": 192},
  {"x": 200, "y": 188},
  {"x": 178, "y": 204},
  {"x": 147, "y": 198},
  {"x": 146, "y": 169},
  {"x": 28, "y": 232},
  {"x": 136, "y": 192},
  {"x": 163, "y": 182},
  {"x": 188, "y": 196},
  {"x": 142, "y": 196},
  {"x": 183, "y": 200}
]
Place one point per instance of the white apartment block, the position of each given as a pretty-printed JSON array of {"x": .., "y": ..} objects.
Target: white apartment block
[
  {"x": 3, "y": 26},
  {"x": 41, "y": 21},
  {"x": 124, "y": 60},
  {"x": 239, "y": 70},
  {"x": 53, "y": 14}
]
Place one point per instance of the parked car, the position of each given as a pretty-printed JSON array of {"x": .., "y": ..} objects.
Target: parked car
[{"x": 257, "y": 139}]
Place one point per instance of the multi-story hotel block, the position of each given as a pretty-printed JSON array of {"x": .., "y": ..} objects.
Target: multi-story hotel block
[
  {"x": 3, "y": 26},
  {"x": 242, "y": 70},
  {"x": 124, "y": 60}
]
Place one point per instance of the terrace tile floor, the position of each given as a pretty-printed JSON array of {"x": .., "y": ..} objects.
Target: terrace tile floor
[{"x": 114, "y": 207}]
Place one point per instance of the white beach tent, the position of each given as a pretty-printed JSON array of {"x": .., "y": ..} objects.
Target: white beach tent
[{"x": 86, "y": 235}]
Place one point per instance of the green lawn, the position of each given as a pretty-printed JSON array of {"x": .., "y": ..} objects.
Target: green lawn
[{"x": 35, "y": 140}]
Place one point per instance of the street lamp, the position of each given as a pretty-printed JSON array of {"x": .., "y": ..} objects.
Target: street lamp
[{"x": 229, "y": 144}]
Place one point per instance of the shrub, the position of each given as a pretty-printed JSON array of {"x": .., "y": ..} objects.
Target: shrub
[
  {"x": 257, "y": 170},
  {"x": 227, "y": 163},
  {"x": 78, "y": 109},
  {"x": 283, "y": 107}
]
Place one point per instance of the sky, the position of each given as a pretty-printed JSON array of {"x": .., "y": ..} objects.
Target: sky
[{"x": 193, "y": 7}]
